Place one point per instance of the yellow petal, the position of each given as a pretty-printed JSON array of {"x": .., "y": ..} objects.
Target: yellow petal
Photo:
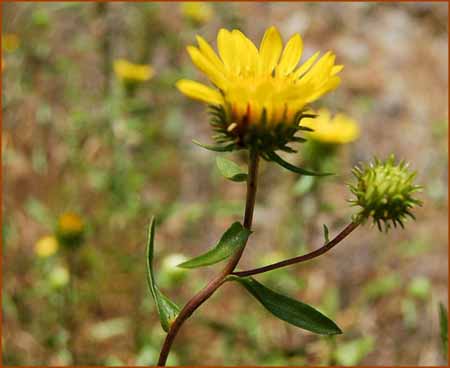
[
  {"x": 200, "y": 92},
  {"x": 305, "y": 66},
  {"x": 330, "y": 85},
  {"x": 247, "y": 53},
  {"x": 270, "y": 50},
  {"x": 336, "y": 69},
  {"x": 291, "y": 56},
  {"x": 209, "y": 53},
  {"x": 203, "y": 64},
  {"x": 227, "y": 50},
  {"x": 317, "y": 70}
]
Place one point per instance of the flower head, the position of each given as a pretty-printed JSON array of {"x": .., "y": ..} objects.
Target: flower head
[
  {"x": 197, "y": 12},
  {"x": 46, "y": 246},
  {"x": 384, "y": 191},
  {"x": 339, "y": 129},
  {"x": 130, "y": 72},
  {"x": 259, "y": 92},
  {"x": 70, "y": 229}
]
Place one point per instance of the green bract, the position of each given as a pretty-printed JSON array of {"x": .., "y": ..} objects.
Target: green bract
[
  {"x": 384, "y": 191},
  {"x": 262, "y": 136}
]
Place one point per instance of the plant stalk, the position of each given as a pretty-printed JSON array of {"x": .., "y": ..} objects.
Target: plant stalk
[
  {"x": 306, "y": 257},
  {"x": 194, "y": 303}
]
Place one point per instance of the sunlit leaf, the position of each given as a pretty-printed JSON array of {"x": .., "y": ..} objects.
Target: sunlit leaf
[
  {"x": 232, "y": 240},
  {"x": 289, "y": 310},
  {"x": 167, "y": 310},
  {"x": 230, "y": 170}
]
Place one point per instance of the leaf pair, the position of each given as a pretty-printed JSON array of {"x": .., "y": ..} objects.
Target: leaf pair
[
  {"x": 287, "y": 309},
  {"x": 167, "y": 310}
]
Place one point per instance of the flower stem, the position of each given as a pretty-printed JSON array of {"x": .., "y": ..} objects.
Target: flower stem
[
  {"x": 306, "y": 257},
  {"x": 216, "y": 282}
]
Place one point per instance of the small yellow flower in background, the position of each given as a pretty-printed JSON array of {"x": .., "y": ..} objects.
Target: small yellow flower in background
[
  {"x": 259, "y": 89},
  {"x": 197, "y": 12},
  {"x": 10, "y": 42},
  {"x": 339, "y": 129},
  {"x": 130, "y": 72},
  {"x": 70, "y": 229},
  {"x": 46, "y": 246}
]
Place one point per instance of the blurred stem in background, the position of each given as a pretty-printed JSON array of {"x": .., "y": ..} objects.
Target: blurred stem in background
[
  {"x": 104, "y": 44},
  {"x": 70, "y": 234}
]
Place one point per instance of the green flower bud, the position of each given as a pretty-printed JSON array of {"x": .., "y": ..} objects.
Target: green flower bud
[{"x": 384, "y": 191}]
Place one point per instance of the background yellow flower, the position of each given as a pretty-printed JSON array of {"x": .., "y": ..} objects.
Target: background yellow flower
[
  {"x": 70, "y": 229},
  {"x": 10, "y": 42},
  {"x": 198, "y": 12},
  {"x": 132, "y": 72},
  {"x": 46, "y": 246},
  {"x": 339, "y": 129}
]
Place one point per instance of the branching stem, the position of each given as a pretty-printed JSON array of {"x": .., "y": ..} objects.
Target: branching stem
[
  {"x": 204, "y": 294},
  {"x": 306, "y": 257}
]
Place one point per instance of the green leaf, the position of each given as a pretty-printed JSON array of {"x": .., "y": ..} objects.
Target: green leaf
[
  {"x": 215, "y": 148},
  {"x": 230, "y": 170},
  {"x": 298, "y": 170},
  {"x": 443, "y": 322},
  {"x": 233, "y": 239},
  {"x": 289, "y": 310},
  {"x": 326, "y": 234},
  {"x": 167, "y": 310}
]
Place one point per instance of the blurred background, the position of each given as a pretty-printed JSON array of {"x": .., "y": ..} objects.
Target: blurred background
[{"x": 96, "y": 139}]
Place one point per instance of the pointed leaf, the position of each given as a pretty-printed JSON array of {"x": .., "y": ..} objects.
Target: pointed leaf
[
  {"x": 232, "y": 240},
  {"x": 326, "y": 234},
  {"x": 275, "y": 158},
  {"x": 289, "y": 310},
  {"x": 230, "y": 170},
  {"x": 215, "y": 148},
  {"x": 167, "y": 310}
]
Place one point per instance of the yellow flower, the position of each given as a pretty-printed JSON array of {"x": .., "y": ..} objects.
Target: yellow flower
[
  {"x": 259, "y": 87},
  {"x": 339, "y": 129},
  {"x": 198, "y": 12},
  {"x": 130, "y": 72},
  {"x": 46, "y": 246},
  {"x": 10, "y": 42},
  {"x": 70, "y": 222},
  {"x": 70, "y": 229}
]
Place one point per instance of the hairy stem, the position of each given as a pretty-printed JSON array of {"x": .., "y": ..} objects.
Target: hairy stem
[
  {"x": 217, "y": 281},
  {"x": 306, "y": 257}
]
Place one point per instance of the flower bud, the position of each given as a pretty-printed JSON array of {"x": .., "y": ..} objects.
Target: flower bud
[{"x": 384, "y": 191}]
